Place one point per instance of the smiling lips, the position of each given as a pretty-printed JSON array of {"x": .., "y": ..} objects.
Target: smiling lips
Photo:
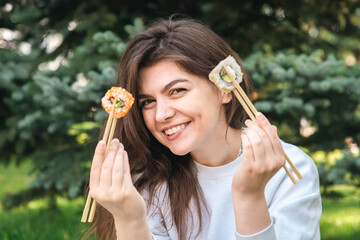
[{"x": 174, "y": 130}]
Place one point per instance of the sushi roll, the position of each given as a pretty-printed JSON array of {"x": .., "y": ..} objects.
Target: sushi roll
[
  {"x": 220, "y": 77},
  {"x": 124, "y": 101}
]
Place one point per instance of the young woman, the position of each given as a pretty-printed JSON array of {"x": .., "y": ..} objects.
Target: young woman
[{"x": 185, "y": 163}]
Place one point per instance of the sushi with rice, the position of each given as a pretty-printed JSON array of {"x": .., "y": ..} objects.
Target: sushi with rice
[
  {"x": 221, "y": 79},
  {"x": 124, "y": 101}
]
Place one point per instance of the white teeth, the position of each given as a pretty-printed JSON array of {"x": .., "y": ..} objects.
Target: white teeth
[{"x": 173, "y": 130}]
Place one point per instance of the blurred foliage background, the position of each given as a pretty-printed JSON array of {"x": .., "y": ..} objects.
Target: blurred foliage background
[{"x": 58, "y": 58}]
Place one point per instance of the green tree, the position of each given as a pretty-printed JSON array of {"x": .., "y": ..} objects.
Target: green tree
[
  {"x": 350, "y": 165},
  {"x": 308, "y": 91}
]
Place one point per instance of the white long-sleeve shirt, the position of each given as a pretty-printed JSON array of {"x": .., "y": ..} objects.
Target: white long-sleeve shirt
[{"x": 295, "y": 210}]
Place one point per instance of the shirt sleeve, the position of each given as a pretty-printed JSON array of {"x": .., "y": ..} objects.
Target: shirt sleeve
[
  {"x": 295, "y": 210},
  {"x": 266, "y": 234}
]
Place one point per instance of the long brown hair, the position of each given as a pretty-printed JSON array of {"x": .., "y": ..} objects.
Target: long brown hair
[{"x": 197, "y": 50}]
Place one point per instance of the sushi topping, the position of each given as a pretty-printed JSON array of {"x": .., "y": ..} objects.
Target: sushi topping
[
  {"x": 119, "y": 104},
  {"x": 222, "y": 73},
  {"x": 224, "y": 76}
]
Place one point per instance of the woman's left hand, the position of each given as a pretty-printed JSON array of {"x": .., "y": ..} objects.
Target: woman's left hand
[{"x": 263, "y": 156}]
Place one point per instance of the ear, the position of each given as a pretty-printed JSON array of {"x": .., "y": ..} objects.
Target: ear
[{"x": 226, "y": 97}]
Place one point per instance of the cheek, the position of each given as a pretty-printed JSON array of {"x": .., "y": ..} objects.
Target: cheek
[{"x": 147, "y": 116}]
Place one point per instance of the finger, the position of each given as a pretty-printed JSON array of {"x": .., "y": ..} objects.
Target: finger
[
  {"x": 118, "y": 169},
  {"x": 267, "y": 127},
  {"x": 248, "y": 154},
  {"x": 262, "y": 120},
  {"x": 271, "y": 131},
  {"x": 97, "y": 162},
  {"x": 268, "y": 147},
  {"x": 127, "y": 174},
  {"x": 248, "y": 122},
  {"x": 256, "y": 143},
  {"x": 106, "y": 169}
]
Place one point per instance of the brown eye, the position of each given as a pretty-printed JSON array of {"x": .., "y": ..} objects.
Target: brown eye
[
  {"x": 177, "y": 90},
  {"x": 146, "y": 102}
]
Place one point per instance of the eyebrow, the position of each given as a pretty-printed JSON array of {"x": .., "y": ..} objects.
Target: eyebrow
[
  {"x": 172, "y": 83},
  {"x": 166, "y": 88}
]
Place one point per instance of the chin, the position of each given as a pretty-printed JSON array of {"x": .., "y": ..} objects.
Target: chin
[
  {"x": 179, "y": 152},
  {"x": 182, "y": 154}
]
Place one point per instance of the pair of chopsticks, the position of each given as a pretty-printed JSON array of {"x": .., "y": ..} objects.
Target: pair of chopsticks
[
  {"x": 251, "y": 111},
  {"x": 108, "y": 136}
]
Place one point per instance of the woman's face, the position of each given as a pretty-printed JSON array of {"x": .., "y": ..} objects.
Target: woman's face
[{"x": 183, "y": 111}]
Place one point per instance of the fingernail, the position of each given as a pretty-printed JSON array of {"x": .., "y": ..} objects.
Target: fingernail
[
  {"x": 247, "y": 121},
  {"x": 259, "y": 115},
  {"x": 101, "y": 144},
  {"x": 115, "y": 141}
]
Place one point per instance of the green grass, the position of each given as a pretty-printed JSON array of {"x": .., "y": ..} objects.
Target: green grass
[
  {"x": 340, "y": 219},
  {"x": 13, "y": 178},
  {"x": 35, "y": 221}
]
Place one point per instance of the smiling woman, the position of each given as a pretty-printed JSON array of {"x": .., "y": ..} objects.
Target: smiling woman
[
  {"x": 180, "y": 114},
  {"x": 186, "y": 163}
]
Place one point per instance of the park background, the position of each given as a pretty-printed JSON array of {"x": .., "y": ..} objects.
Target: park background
[{"x": 58, "y": 58}]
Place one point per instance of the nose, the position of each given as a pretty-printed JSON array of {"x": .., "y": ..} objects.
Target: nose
[{"x": 164, "y": 111}]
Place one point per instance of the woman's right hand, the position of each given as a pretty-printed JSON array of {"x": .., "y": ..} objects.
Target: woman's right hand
[{"x": 111, "y": 184}]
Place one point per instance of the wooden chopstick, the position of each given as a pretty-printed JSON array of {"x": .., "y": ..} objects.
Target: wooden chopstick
[
  {"x": 92, "y": 211},
  {"x": 242, "y": 102},
  {"x": 251, "y": 115},
  {"x": 107, "y": 137},
  {"x": 86, "y": 208},
  {"x": 108, "y": 123},
  {"x": 251, "y": 111},
  {"x": 294, "y": 168},
  {"x": 111, "y": 135}
]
